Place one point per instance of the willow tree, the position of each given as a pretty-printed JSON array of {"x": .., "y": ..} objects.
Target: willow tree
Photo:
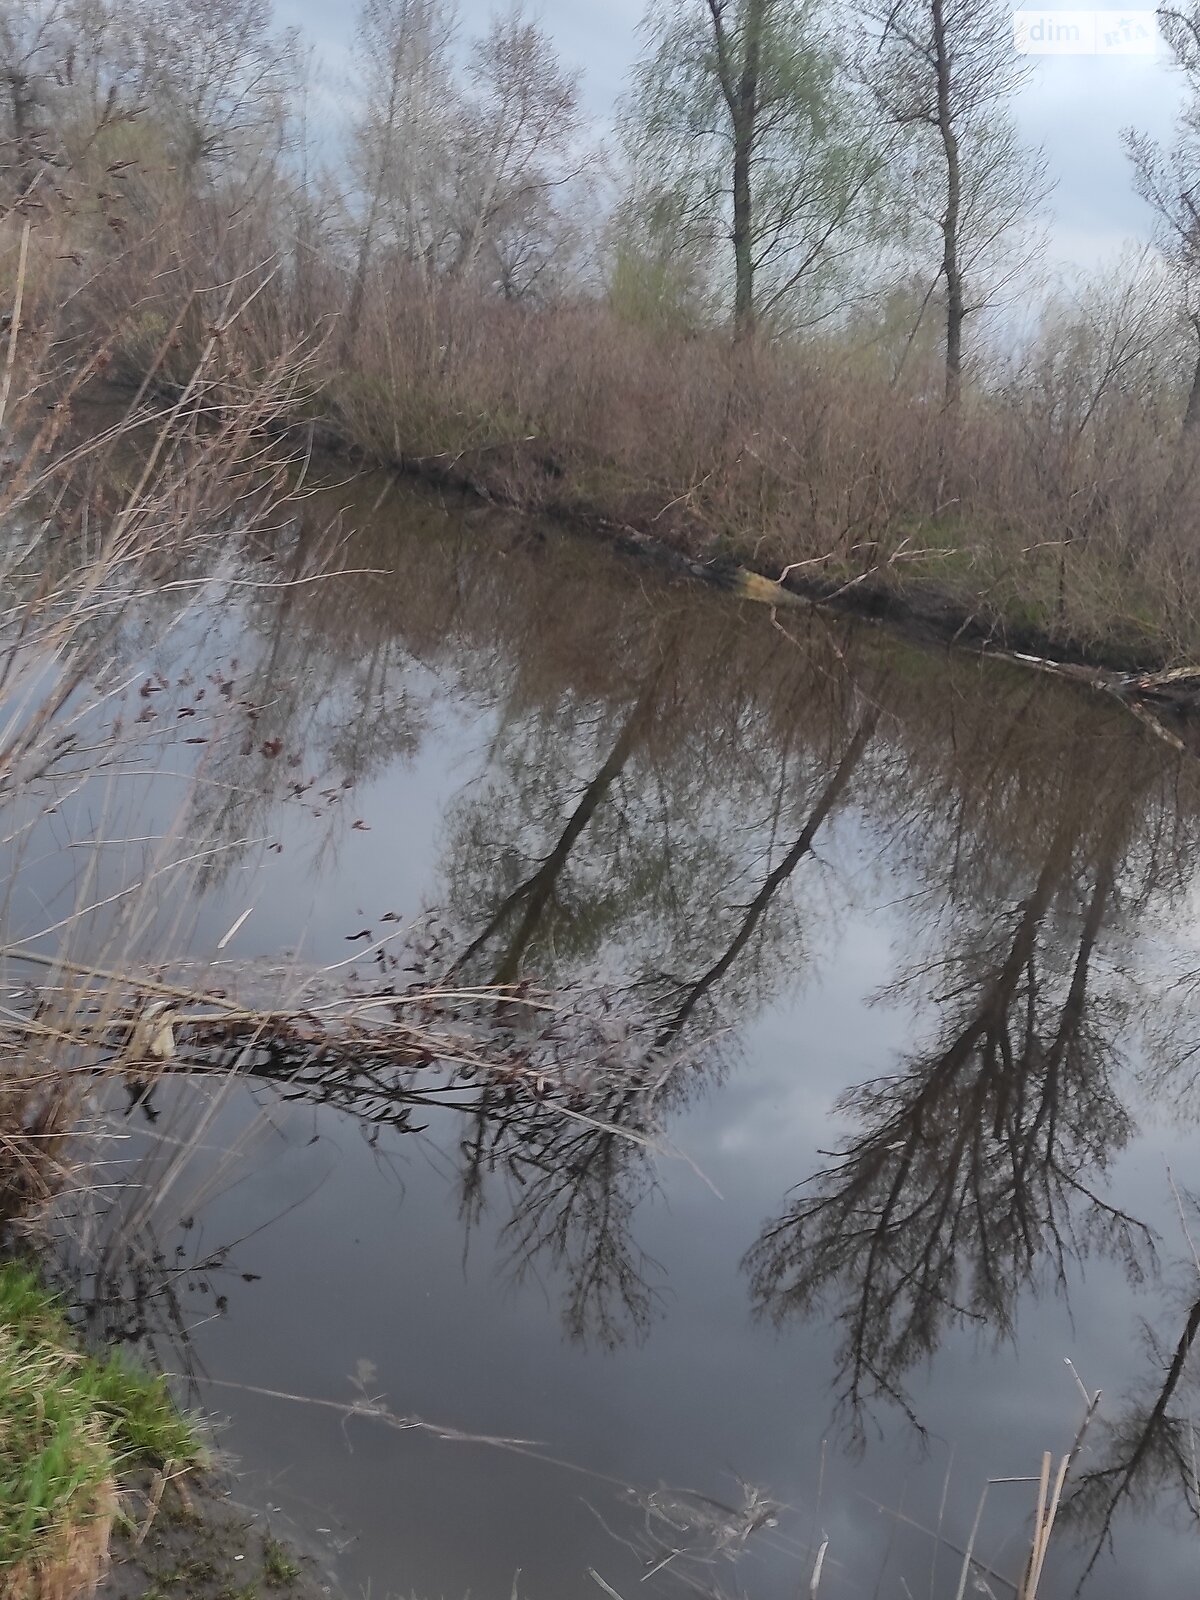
[{"x": 743, "y": 119}]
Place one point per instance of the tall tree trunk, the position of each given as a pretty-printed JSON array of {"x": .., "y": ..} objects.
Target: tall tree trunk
[
  {"x": 359, "y": 289},
  {"x": 385, "y": 135},
  {"x": 743, "y": 252},
  {"x": 951, "y": 270},
  {"x": 745, "y": 129}
]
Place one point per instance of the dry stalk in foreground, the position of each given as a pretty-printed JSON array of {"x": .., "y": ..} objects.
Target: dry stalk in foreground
[
  {"x": 111, "y": 513},
  {"x": 360, "y": 1045}
]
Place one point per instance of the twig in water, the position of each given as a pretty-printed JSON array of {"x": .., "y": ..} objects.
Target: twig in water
[{"x": 815, "y": 1584}]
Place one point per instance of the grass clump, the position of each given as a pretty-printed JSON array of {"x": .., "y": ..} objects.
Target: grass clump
[
  {"x": 69, "y": 1423},
  {"x": 278, "y": 1567}
]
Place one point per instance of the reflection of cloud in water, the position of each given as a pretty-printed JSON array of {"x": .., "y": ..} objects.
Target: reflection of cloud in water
[{"x": 586, "y": 777}]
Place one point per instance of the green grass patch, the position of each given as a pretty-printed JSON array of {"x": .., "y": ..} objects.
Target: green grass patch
[
  {"x": 278, "y": 1567},
  {"x": 69, "y": 1423}
]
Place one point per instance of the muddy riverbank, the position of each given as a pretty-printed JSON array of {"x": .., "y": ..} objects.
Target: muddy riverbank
[
  {"x": 910, "y": 591},
  {"x": 904, "y": 591},
  {"x": 192, "y": 1540}
]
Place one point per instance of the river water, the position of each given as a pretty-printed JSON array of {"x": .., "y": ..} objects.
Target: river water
[{"x": 906, "y": 942}]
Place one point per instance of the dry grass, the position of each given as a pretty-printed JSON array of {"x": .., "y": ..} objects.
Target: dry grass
[
  {"x": 1064, "y": 516},
  {"x": 366, "y": 1044},
  {"x": 72, "y": 1557},
  {"x": 1058, "y": 502}
]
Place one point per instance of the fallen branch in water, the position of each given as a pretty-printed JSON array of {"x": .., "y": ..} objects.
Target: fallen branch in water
[
  {"x": 532, "y": 1065},
  {"x": 375, "y": 1409}
]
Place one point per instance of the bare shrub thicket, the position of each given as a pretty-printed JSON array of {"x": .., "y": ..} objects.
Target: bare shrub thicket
[
  {"x": 470, "y": 310},
  {"x": 1059, "y": 500}
]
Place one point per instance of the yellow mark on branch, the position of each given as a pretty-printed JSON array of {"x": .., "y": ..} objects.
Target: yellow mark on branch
[{"x": 753, "y": 586}]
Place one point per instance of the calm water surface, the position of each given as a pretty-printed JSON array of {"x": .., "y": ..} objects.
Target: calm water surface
[{"x": 906, "y": 945}]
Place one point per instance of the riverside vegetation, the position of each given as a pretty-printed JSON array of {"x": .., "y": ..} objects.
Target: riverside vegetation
[
  {"x": 72, "y": 1424},
  {"x": 784, "y": 315},
  {"x": 747, "y": 338}
]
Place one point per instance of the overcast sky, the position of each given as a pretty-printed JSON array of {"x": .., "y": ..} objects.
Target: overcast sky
[{"x": 1075, "y": 107}]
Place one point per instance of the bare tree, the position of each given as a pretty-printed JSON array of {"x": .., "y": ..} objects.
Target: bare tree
[
  {"x": 210, "y": 88},
  {"x": 1168, "y": 180},
  {"x": 31, "y": 46},
  {"x": 518, "y": 146},
  {"x": 946, "y": 73},
  {"x": 402, "y": 135},
  {"x": 219, "y": 77}
]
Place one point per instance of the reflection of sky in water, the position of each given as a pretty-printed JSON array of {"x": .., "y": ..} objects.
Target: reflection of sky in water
[{"x": 360, "y": 1251}]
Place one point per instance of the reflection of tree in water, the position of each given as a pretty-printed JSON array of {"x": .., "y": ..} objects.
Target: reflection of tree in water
[
  {"x": 978, "y": 1167},
  {"x": 1148, "y": 1452},
  {"x": 776, "y": 878},
  {"x": 305, "y": 714},
  {"x": 540, "y": 898},
  {"x": 650, "y": 836},
  {"x": 574, "y": 1186},
  {"x": 1029, "y": 831},
  {"x": 604, "y": 836},
  {"x": 617, "y": 877}
]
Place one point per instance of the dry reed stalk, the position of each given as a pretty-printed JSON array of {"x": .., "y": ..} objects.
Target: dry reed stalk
[
  {"x": 161, "y": 1478},
  {"x": 341, "y": 1038},
  {"x": 1048, "y": 1504},
  {"x": 15, "y": 324},
  {"x": 91, "y": 521}
]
